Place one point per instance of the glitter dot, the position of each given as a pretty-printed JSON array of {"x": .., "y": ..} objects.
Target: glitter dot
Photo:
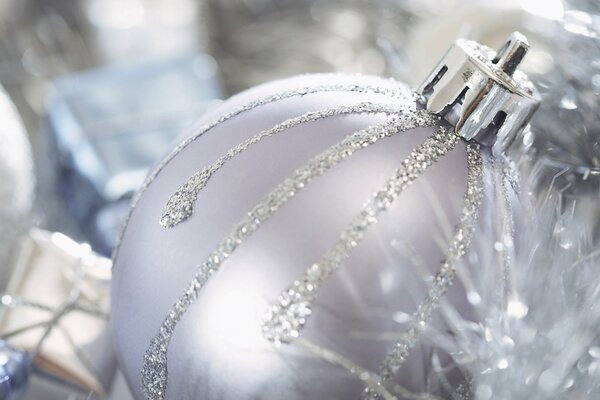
[
  {"x": 401, "y": 317},
  {"x": 502, "y": 364},
  {"x": 6, "y": 300},
  {"x": 568, "y": 102},
  {"x": 474, "y": 298},
  {"x": 594, "y": 352},
  {"x": 516, "y": 309},
  {"x": 528, "y": 138},
  {"x": 566, "y": 243},
  {"x": 507, "y": 342}
]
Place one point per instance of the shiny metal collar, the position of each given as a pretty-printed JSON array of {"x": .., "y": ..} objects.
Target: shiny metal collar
[{"x": 481, "y": 92}]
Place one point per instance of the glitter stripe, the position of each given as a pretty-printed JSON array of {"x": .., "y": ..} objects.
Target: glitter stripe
[
  {"x": 507, "y": 231},
  {"x": 445, "y": 276},
  {"x": 179, "y": 207},
  {"x": 392, "y": 89},
  {"x": 154, "y": 370},
  {"x": 288, "y": 315},
  {"x": 337, "y": 359}
]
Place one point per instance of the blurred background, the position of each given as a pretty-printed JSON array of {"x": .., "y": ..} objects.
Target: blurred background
[{"x": 96, "y": 91}]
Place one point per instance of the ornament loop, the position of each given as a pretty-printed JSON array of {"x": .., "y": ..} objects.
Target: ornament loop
[{"x": 481, "y": 92}]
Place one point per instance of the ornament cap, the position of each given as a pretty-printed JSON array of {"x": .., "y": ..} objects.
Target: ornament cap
[{"x": 481, "y": 92}]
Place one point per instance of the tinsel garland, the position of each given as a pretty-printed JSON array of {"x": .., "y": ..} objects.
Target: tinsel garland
[{"x": 544, "y": 343}]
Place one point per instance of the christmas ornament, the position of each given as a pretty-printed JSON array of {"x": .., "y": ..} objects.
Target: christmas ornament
[
  {"x": 16, "y": 181},
  {"x": 291, "y": 247}
]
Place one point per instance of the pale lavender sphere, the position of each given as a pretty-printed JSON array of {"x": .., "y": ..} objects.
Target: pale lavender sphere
[{"x": 217, "y": 350}]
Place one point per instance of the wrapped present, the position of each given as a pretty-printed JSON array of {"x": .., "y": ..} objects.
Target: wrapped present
[
  {"x": 55, "y": 309},
  {"x": 109, "y": 125}
]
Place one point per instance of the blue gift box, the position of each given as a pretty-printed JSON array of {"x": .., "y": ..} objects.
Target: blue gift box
[{"x": 111, "y": 124}]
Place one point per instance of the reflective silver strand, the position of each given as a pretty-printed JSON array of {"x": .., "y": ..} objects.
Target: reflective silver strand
[
  {"x": 506, "y": 232},
  {"x": 287, "y": 316},
  {"x": 445, "y": 276},
  {"x": 180, "y": 205},
  {"x": 154, "y": 370},
  {"x": 388, "y": 88}
]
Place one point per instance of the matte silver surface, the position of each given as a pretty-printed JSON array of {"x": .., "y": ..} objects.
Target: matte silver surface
[{"x": 217, "y": 350}]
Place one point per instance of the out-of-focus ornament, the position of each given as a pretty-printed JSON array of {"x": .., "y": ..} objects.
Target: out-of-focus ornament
[
  {"x": 291, "y": 247},
  {"x": 15, "y": 368},
  {"x": 16, "y": 182}
]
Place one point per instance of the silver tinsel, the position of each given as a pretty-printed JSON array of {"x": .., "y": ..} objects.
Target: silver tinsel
[
  {"x": 565, "y": 135},
  {"x": 544, "y": 343}
]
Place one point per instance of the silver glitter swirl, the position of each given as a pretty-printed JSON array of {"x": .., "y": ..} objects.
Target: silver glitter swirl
[
  {"x": 287, "y": 316},
  {"x": 180, "y": 205},
  {"x": 444, "y": 277},
  {"x": 154, "y": 370},
  {"x": 389, "y": 87}
]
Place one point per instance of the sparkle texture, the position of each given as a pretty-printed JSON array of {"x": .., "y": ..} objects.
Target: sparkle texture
[
  {"x": 445, "y": 276},
  {"x": 179, "y": 207},
  {"x": 388, "y": 87},
  {"x": 287, "y": 316},
  {"x": 154, "y": 370}
]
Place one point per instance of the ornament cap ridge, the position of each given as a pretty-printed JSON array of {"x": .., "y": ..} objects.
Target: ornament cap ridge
[{"x": 481, "y": 92}]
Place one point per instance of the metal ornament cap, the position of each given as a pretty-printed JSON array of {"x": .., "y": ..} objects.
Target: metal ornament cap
[{"x": 481, "y": 92}]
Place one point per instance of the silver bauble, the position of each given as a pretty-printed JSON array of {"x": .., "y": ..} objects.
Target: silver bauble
[
  {"x": 227, "y": 340},
  {"x": 16, "y": 181}
]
